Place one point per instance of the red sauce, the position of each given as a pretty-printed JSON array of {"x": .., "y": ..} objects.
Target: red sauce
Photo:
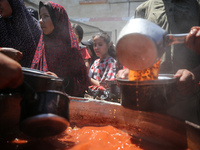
[
  {"x": 18, "y": 141},
  {"x": 99, "y": 138},
  {"x": 94, "y": 138}
]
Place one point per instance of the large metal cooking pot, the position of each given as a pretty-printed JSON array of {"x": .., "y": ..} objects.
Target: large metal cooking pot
[
  {"x": 150, "y": 95},
  {"x": 141, "y": 43},
  {"x": 150, "y": 131}
]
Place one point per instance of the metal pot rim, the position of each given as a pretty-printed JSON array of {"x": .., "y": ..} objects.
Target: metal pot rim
[
  {"x": 38, "y": 73},
  {"x": 162, "y": 79}
]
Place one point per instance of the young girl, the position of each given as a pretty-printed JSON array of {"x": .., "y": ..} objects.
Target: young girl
[
  {"x": 58, "y": 50},
  {"x": 105, "y": 67}
]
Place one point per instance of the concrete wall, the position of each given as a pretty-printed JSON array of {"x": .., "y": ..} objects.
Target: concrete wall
[{"x": 110, "y": 16}]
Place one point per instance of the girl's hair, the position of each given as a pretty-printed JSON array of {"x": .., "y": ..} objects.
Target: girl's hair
[
  {"x": 107, "y": 39},
  {"x": 79, "y": 31}
]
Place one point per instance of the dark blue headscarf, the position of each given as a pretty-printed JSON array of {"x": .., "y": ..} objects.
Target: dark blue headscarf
[{"x": 20, "y": 31}]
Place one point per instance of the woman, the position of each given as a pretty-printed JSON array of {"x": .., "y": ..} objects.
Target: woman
[
  {"x": 18, "y": 30},
  {"x": 58, "y": 50}
]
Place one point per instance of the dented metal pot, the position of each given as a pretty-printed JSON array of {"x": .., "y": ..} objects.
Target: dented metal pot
[{"x": 141, "y": 43}]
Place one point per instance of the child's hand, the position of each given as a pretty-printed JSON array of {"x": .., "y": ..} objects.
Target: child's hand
[{"x": 51, "y": 73}]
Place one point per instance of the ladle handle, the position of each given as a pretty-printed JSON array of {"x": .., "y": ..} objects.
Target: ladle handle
[
  {"x": 176, "y": 38},
  {"x": 65, "y": 94}
]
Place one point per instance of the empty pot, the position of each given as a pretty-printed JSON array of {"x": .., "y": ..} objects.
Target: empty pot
[{"x": 44, "y": 113}]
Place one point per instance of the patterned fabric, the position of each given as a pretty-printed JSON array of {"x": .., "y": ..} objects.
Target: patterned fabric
[
  {"x": 20, "y": 32},
  {"x": 85, "y": 53},
  {"x": 103, "y": 70},
  {"x": 59, "y": 53}
]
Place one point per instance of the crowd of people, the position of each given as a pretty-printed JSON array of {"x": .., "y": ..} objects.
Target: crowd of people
[{"x": 54, "y": 46}]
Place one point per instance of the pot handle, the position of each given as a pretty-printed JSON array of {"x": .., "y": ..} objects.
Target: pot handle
[
  {"x": 28, "y": 87},
  {"x": 172, "y": 39},
  {"x": 65, "y": 94}
]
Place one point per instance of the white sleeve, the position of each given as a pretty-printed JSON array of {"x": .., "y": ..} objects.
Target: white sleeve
[{"x": 90, "y": 73}]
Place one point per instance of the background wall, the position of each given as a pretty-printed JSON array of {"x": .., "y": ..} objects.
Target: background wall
[{"x": 96, "y": 15}]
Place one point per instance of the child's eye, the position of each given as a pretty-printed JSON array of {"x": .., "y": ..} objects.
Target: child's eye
[{"x": 46, "y": 16}]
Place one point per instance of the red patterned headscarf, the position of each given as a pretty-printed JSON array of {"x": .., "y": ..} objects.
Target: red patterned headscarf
[{"x": 59, "y": 51}]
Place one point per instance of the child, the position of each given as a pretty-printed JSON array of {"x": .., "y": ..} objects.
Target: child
[
  {"x": 78, "y": 30},
  {"x": 104, "y": 68}
]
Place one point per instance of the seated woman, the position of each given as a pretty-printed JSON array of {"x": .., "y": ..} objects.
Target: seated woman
[
  {"x": 58, "y": 50},
  {"x": 19, "y": 33}
]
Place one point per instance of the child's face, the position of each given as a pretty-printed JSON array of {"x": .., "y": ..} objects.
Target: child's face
[
  {"x": 45, "y": 21},
  {"x": 100, "y": 47}
]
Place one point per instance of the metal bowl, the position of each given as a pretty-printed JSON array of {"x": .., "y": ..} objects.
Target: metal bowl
[{"x": 150, "y": 95}]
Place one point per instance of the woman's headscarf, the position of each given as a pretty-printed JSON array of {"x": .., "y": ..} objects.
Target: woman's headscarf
[
  {"x": 59, "y": 51},
  {"x": 20, "y": 31}
]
